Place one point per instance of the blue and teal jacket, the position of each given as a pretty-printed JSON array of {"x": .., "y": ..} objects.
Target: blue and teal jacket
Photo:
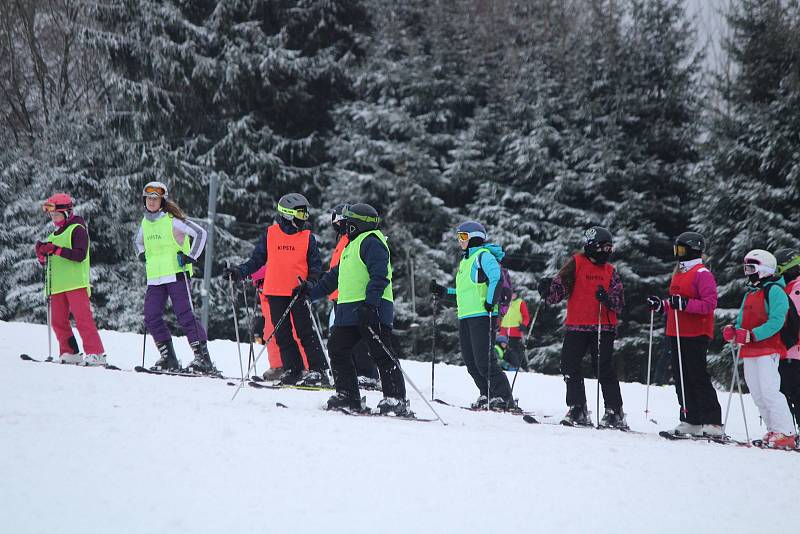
[{"x": 485, "y": 270}]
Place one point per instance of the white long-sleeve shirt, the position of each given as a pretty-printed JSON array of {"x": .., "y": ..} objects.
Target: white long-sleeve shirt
[{"x": 180, "y": 229}]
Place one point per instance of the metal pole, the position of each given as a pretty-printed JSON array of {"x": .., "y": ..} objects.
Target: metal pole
[
  {"x": 489, "y": 365},
  {"x": 250, "y": 315},
  {"x": 236, "y": 325},
  {"x": 680, "y": 362},
  {"x": 47, "y": 290},
  {"x": 209, "y": 259},
  {"x": 319, "y": 338},
  {"x": 649, "y": 362},
  {"x": 741, "y": 397},
  {"x": 433, "y": 350},
  {"x": 524, "y": 358},
  {"x": 730, "y": 392},
  {"x": 597, "y": 389}
]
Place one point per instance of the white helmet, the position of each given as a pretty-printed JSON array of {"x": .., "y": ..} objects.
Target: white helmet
[
  {"x": 155, "y": 189},
  {"x": 761, "y": 262}
]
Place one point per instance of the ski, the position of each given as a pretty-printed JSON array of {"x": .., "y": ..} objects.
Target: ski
[
  {"x": 722, "y": 440},
  {"x": 264, "y": 385},
  {"x": 761, "y": 445},
  {"x": 370, "y": 413},
  {"x": 27, "y": 358},
  {"x": 140, "y": 369}
]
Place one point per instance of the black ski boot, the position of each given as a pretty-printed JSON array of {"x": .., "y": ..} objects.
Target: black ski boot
[
  {"x": 369, "y": 383},
  {"x": 290, "y": 377},
  {"x": 347, "y": 401},
  {"x": 202, "y": 363},
  {"x": 577, "y": 416},
  {"x": 480, "y": 403},
  {"x": 168, "y": 361},
  {"x": 501, "y": 404},
  {"x": 395, "y": 406},
  {"x": 315, "y": 378},
  {"x": 614, "y": 419},
  {"x": 273, "y": 373}
]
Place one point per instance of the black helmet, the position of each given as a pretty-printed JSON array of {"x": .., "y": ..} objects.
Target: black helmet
[
  {"x": 597, "y": 243},
  {"x": 783, "y": 257},
  {"x": 360, "y": 218},
  {"x": 337, "y": 218},
  {"x": 689, "y": 246},
  {"x": 293, "y": 206}
]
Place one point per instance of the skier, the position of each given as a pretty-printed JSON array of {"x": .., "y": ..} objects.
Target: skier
[
  {"x": 693, "y": 293},
  {"x": 290, "y": 251},
  {"x": 365, "y": 302},
  {"x": 501, "y": 351},
  {"x": 789, "y": 368},
  {"x": 365, "y": 367},
  {"x": 595, "y": 297},
  {"x": 477, "y": 291},
  {"x": 757, "y": 332},
  {"x": 65, "y": 255},
  {"x": 511, "y": 325},
  {"x": 163, "y": 244}
]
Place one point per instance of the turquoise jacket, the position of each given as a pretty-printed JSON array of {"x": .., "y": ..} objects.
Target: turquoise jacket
[
  {"x": 776, "y": 309},
  {"x": 490, "y": 265}
]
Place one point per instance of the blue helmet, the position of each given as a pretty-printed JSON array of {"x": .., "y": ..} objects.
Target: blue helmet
[
  {"x": 501, "y": 339},
  {"x": 473, "y": 229}
]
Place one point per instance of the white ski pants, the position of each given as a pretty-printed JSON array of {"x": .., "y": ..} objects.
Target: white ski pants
[{"x": 764, "y": 381}]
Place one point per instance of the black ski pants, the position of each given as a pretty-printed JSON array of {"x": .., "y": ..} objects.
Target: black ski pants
[
  {"x": 341, "y": 346},
  {"x": 300, "y": 319},
  {"x": 576, "y": 344},
  {"x": 477, "y": 349},
  {"x": 790, "y": 383},
  {"x": 701, "y": 404},
  {"x": 365, "y": 366}
]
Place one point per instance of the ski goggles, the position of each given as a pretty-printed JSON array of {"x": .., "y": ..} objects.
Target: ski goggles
[
  {"x": 601, "y": 247},
  {"x": 365, "y": 218},
  {"x": 50, "y": 207},
  {"x": 463, "y": 236},
  {"x": 680, "y": 250},
  {"x": 751, "y": 268},
  {"x": 299, "y": 213},
  {"x": 154, "y": 191}
]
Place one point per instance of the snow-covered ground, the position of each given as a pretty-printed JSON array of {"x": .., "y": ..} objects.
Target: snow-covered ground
[{"x": 89, "y": 450}]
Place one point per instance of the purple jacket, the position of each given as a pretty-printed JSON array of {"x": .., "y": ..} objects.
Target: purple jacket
[
  {"x": 705, "y": 287},
  {"x": 80, "y": 239}
]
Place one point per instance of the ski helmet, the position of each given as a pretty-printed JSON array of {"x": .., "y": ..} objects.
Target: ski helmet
[
  {"x": 337, "y": 218},
  {"x": 470, "y": 229},
  {"x": 689, "y": 246},
  {"x": 501, "y": 339},
  {"x": 789, "y": 269},
  {"x": 155, "y": 190},
  {"x": 360, "y": 218},
  {"x": 597, "y": 244},
  {"x": 293, "y": 206},
  {"x": 59, "y": 202},
  {"x": 759, "y": 264}
]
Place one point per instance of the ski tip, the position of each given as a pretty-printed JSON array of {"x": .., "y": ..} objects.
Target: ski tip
[
  {"x": 26, "y": 358},
  {"x": 280, "y": 405},
  {"x": 530, "y": 419}
]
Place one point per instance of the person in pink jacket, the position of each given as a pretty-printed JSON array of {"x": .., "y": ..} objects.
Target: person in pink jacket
[{"x": 789, "y": 367}]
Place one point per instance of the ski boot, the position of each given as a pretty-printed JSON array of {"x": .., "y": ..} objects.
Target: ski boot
[
  {"x": 371, "y": 384},
  {"x": 290, "y": 377},
  {"x": 687, "y": 429},
  {"x": 614, "y": 419},
  {"x": 711, "y": 431},
  {"x": 95, "y": 360},
  {"x": 202, "y": 363},
  {"x": 168, "y": 361},
  {"x": 577, "y": 416},
  {"x": 395, "y": 406},
  {"x": 343, "y": 400},
  {"x": 480, "y": 403},
  {"x": 73, "y": 359},
  {"x": 502, "y": 405},
  {"x": 272, "y": 374},
  {"x": 781, "y": 441},
  {"x": 315, "y": 378}
]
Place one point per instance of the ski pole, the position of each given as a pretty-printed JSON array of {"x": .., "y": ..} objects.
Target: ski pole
[
  {"x": 49, "y": 310},
  {"x": 489, "y": 365},
  {"x": 741, "y": 397},
  {"x": 649, "y": 363},
  {"x": 236, "y": 326},
  {"x": 433, "y": 350},
  {"x": 319, "y": 338},
  {"x": 377, "y": 338},
  {"x": 684, "y": 409},
  {"x": 597, "y": 387},
  {"x": 144, "y": 341},
  {"x": 266, "y": 341},
  {"x": 250, "y": 315},
  {"x": 730, "y": 392},
  {"x": 525, "y": 346}
]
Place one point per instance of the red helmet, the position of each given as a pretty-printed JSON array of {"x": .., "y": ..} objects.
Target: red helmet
[{"x": 58, "y": 202}]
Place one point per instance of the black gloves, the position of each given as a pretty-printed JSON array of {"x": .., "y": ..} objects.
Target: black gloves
[
  {"x": 302, "y": 289},
  {"x": 142, "y": 258},
  {"x": 602, "y": 297},
  {"x": 185, "y": 259},
  {"x": 233, "y": 272},
  {"x": 655, "y": 303},
  {"x": 678, "y": 302},
  {"x": 367, "y": 315},
  {"x": 488, "y": 306},
  {"x": 544, "y": 287},
  {"x": 438, "y": 290}
]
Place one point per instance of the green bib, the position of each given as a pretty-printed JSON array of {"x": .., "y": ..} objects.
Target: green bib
[
  {"x": 501, "y": 354},
  {"x": 513, "y": 317},
  {"x": 470, "y": 295},
  {"x": 66, "y": 275},
  {"x": 161, "y": 249},
  {"x": 353, "y": 274}
]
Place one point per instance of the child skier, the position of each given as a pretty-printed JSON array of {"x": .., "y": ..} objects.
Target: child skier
[
  {"x": 511, "y": 325},
  {"x": 594, "y": 296},
  {"x": 477, "y": 292},
  {"x": 65, "y": 256},
  {"x": 163, "y": 244},
  {"x": 501, "y": 351},
  {"x": 693, "y": 295},
  {"x": 757, "y": 332},
  {"x": 789, "y": 368}
]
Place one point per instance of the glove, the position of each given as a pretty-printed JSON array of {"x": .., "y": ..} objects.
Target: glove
[
  {"x": 185, "y": 259},
  {"x": 233, "y": 272},
  {"x": 655, "y": 303},
  {"x": 301, "y": 290},
  {"x": 438, "y": 290},
  {"x": 488, "y": 306},
  {"x": 729, "y": 333},
  {"x": 544, "y": 287},
  {"x": 738, "y": 335},
  {"x": 46, "y": 249},
  {"x": 142, "y": 257},
  {"x": 602, "y": 296},
  {"x": 367, "y": 315},
  {"x": 678, "y": 302}
]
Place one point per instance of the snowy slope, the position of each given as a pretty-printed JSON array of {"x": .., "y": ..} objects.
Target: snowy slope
[{"x": 89, "y": 450}]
